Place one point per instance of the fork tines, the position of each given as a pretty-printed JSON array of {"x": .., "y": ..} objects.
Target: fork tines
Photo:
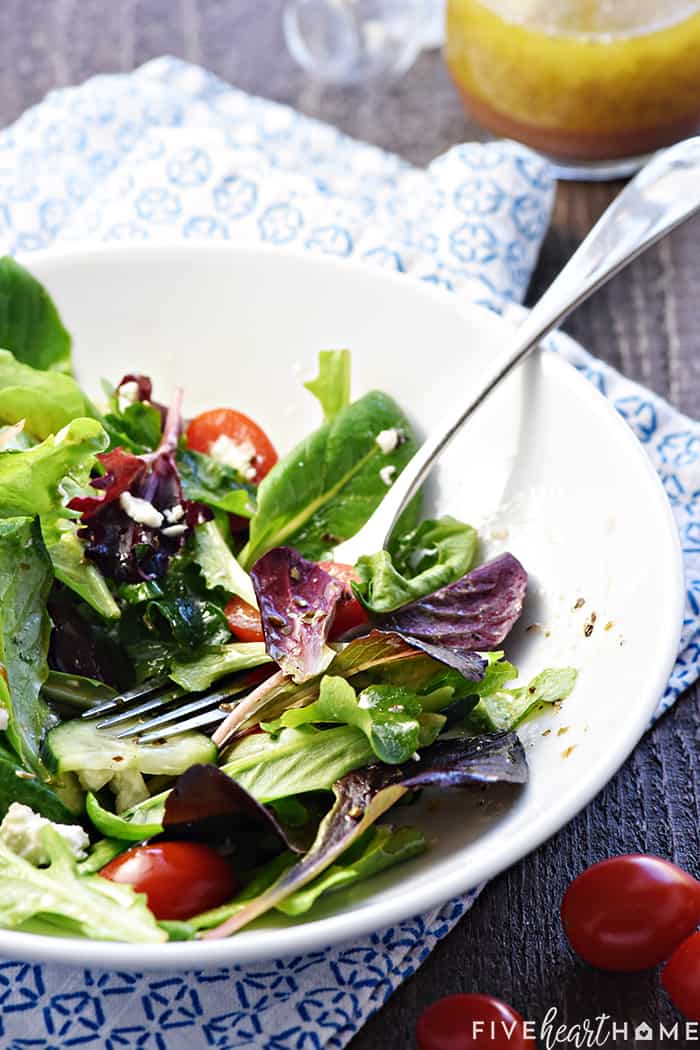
[{"x": 130, "y": 707}]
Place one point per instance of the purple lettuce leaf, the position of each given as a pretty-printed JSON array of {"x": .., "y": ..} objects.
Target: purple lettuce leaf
[
  {"x": 472, "y": 615},
  {"x": 297, "y": 601},
  {"x": 207, "y": 806},
  {"x": 365, "y": 794},
  {"x": 124, "y": 549}
]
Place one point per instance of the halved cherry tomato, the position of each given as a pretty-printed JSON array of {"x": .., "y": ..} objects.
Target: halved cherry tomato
[
  {"x": 629, "y": 913},
  {"x": 179, "y": 879},
  {"x": 349, "y": 613},
  {"x": 470, "y": 1022},
  {"x": 243, "y": 620},
  {"x": 207, "y": 427},
  {"x": 681, "y": 978}
]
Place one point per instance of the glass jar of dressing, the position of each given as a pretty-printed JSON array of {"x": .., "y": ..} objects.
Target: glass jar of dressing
[{"x": 597, "y": 84}]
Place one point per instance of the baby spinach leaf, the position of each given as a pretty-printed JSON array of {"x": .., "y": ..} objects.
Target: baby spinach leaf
[
  {"x": 178, "y": 625},
  {"x": 30, "y": 327},
  {"x": 46, "y": 401},
  {"x": 76, "y": 691},
  {"x": 204, "y": 480},
  {"x": 365, "y": 794},
  {"x": 420, "y": 562},
  {"x": 506, "y": 708},
  {"x": 137, "y": 428},
  {"x": 17, "y": 785},
  {"x": 391, "y": 717},
  {"x": 326, "y": 488},
  {"x": 332, "y": 384},
  {"x": 25, "y": 581}
]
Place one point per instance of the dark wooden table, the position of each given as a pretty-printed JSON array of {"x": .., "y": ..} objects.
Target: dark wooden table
[{"x": 646, "y": 323}]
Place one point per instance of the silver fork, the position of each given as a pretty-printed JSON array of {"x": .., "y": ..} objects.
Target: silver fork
[{"x": 664, "y": 194}]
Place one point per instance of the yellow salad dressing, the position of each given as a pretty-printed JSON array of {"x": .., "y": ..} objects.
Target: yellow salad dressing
[{"x": 579, "y": 78}]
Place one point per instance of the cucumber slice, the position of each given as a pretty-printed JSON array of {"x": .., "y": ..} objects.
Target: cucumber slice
[
  {"x": 79, "y": 747},
  {"x": 115, "y": 827}
]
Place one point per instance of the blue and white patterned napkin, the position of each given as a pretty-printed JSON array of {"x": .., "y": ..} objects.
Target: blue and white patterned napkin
[{"x": 171, "y": 151}]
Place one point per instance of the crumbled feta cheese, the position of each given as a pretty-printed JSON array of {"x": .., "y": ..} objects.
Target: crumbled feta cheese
[
  {"x": 4, "y": 719},
  {"x": 238, "y": 455},
  {"x": 9, "y": 435},
  {"x": 127, "y": 394},
  {"x": 20, "y": 829},
  {"x": 140, "y": 510},
  {"x": 387, "y": 474},
  {"x": 174, "y": 514},
  {"x": 364, "y": 702},
  {"x": 388, "y": 440},
  {"x": 173, "y": 530}
]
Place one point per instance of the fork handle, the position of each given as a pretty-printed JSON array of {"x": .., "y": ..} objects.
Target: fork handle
[{"x": 664, "y": 194}]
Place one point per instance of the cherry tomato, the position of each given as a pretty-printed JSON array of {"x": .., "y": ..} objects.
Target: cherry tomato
[
  {"x": 349, "y": 613},
  {"x": 629, "y": 913},
  {"x": 681, "y": 978},
  {"x": 470, "y": 1022},
  {"x": 243, "y": 620},
  {"x": 207, "y": 427},
  {"x": 179, "y": 879}
]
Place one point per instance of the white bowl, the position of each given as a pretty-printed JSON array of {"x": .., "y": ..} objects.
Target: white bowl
[{"x": 547, "y": 470}]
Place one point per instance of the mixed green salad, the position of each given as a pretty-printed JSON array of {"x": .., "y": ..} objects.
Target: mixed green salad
[{"x": 141, "y": 550}]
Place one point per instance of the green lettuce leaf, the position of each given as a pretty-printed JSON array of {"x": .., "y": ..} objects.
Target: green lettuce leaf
[
  {"x": 35, "y": 480},
  {"x": 391, "y": 717},
  {"x": 326, "y": 488},
  {"x": 363, "y": 795},
  {"x": 274, "y": 767},
  {"x": 218, "y": 564},
  {"x": 297, "y": 760},
  {"x": 69, "y": 901},
  {"x": 46, "y": 401},
  {"x": 207, "y": 481},
  {"x": 376, "y": 850},
  {"x": 503, "y": 709},
  {"x": 30, "y": 480},
  {"x": 421, "y": 561},
  {"x": 332, "y": 384},
  {"x": 30, "y": 327},
  {"x": 197, "y": 675},
  {"x": 25, "y": 581},
  {"x": 72, "y": 567},
  {"x": 278, "y": 693}
]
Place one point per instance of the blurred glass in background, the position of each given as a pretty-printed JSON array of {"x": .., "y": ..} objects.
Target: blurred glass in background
[{"x": 350, "y": 41}]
